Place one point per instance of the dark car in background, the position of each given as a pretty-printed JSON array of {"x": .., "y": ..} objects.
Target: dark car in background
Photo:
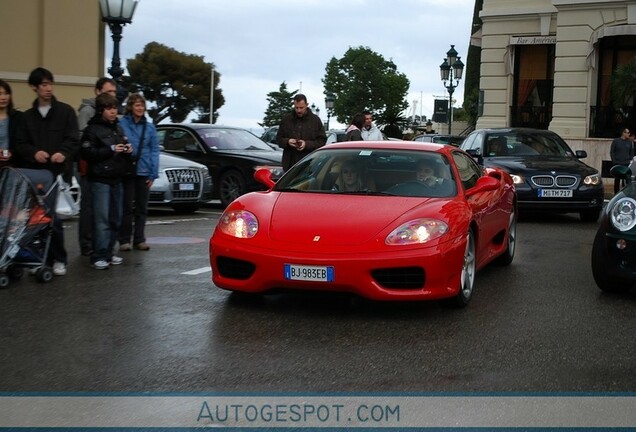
[
  {"x": 614, "y": 248},
  {"x": 231, "y": 154},
  {"x": 548, "y": 175},
  {"x": 182, "y": 184},
  {"x": 455, "y": 140}
]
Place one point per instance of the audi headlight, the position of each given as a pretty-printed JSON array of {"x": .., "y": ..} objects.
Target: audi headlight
[
  {"x": 239, "y": 224},
  {"x": 592, "y": 180},
  {"x": 516, "y": 179},
  {"x": 623, "y": 215},
  {"x": 417, "y": 231}
]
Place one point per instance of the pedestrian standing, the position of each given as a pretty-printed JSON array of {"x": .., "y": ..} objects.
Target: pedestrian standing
[
  {"x": 370, "y": 132},
  {"x": 47, "y": 138},
  {"x": 354, "y": 130},
  {"x": 142, "y": 134},
  {"x": 300, "y": 132},
  {"x": 621, "y": 153},
  {"x": 9, "y": 118},
  {"x": 85, "y": 113},
  {"x": 107, "y": 154}
]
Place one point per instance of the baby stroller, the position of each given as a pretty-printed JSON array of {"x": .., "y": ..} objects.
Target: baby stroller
[{"x": 27, "y": 206}]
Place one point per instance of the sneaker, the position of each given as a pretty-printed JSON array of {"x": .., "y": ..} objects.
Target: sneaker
[
  {"x": 125, "y": 247},
  {"x": 100, "y": 265},
  {"x": 116, "y": 260},
  {"x": 142, "y": 246},
  {"x": 59, "y": 268}
]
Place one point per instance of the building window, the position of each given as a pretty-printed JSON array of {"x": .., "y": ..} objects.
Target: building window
[
  {"x": 608, "y": 117},
  {"x": 533, "y": 85}
]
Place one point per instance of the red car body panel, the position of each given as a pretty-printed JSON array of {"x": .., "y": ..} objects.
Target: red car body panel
[{"x": 348, "y": 232}]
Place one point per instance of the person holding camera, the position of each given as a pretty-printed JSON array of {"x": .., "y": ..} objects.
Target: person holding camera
[{"x": 107, "y": 153}]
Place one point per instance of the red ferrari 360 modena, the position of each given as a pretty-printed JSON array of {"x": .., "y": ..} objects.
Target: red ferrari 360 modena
[{"x": 386, "y": 220}]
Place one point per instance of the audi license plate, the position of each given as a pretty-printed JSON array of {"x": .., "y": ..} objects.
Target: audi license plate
[
  {"x": 309, "y": 273},
  {"x": 186, "y": 186},
  {"x": 555, "y": 193}
]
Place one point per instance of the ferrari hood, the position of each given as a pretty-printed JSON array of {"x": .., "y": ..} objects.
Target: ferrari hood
[{"x": 338, "y": 219}]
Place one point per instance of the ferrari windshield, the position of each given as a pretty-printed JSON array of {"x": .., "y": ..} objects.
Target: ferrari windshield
[{"x": 371, "y": 171}]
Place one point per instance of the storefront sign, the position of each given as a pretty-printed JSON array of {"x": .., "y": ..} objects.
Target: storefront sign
[{"x": 532, "y": 40}]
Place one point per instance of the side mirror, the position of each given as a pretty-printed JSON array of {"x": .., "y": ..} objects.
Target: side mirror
[
  {"x": 484, "y": 184},
  {"x": 621, "y": 172},
  {"x": 192, "y": 148},
  {"x": 581, "y": 154},
  {"x": 476, "y": 155},
  {"x": 264, "y": 176}
]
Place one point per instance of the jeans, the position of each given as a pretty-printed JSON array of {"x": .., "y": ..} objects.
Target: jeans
[
  {"x": 136, "y": 193},
  {"x": 107, "y": 214}
]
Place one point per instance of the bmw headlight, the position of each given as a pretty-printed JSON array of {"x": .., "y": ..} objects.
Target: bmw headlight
[
  {"x": 516, "y": 179},
  {"x": 239, "y": 224},
  {"x": 623, "y": 215},
  {"x": 416, "y": 231},
  {"x": 592, "y": 180}
]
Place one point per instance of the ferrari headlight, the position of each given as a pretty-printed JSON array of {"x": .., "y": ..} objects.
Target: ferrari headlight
[
  {"x": 592, "y": 180},
  {"x": 623, "y": 215},
  {"x": 516, "y": 179},
  {"x": 239, "y": 224},
  {"x": 416, "y": 231}
]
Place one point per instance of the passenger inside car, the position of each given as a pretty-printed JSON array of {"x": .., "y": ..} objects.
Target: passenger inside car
[{"x": 497, "y": 147}]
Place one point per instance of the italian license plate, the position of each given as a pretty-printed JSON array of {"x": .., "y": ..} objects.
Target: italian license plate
[
  {"x": 186, "y": 186},
  {"x": 309, "y": 273},
  {"x": 555, "y": 193}
]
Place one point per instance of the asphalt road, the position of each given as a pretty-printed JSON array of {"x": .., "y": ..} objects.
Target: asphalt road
[{"x": 157, "y": 324}]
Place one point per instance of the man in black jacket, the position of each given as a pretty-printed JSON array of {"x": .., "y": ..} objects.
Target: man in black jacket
[
  {"x": 48, "y": 138},
  {"x": 300, "y": 133}
]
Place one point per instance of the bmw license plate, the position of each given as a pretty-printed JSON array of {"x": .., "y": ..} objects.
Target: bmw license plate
[
  {"x": 186, "y": 186},
  {"x": 555, "y": 193},
  {"x": 309, "y": 273}
]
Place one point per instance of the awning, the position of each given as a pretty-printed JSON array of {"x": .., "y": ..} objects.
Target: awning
[{"x": 619, "y": 30}]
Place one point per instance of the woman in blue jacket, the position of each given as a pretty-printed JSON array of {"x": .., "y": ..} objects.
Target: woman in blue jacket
[{"x": 142, "y": 134}]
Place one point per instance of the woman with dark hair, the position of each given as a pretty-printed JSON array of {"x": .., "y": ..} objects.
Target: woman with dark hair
[
  {"x": 9, "y": 118},
  {"x": 354, "y": 131}
]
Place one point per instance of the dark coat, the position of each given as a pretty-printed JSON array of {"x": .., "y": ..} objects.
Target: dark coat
[
  {"x": 15, "y": 117},
  {"x": 98, "y": 140},
  {"x": 55, "y": 133},
  {"x": 308, "y": 128}
]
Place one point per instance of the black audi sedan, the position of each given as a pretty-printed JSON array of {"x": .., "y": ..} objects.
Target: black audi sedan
[
  {"x": 548, "y": 175},
  {"x": 231, "y": 154},
  {"x": 614, "y": 248}
]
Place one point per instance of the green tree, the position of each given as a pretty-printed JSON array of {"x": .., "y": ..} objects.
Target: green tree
[
  {"x": 176, "y": 84},
  {"x": 473, "y": 64},
  {"x": 363, "y": 80},
  {"x": 278, "y": 104}
]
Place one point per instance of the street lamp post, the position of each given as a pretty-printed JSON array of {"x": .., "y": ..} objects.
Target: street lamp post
[
  {"x": 117, "y": 13},
  {"x": 329, "y": 101},
  {"x": 450, "y": 70}
]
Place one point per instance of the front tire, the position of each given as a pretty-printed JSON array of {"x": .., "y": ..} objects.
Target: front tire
[
  {"x": 600, "y": 268},
  {"x": 469, "y": 268},
  {"x": 231, "y": 186}
]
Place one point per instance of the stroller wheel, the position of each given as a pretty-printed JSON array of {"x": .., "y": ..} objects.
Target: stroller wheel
[
  {"x": 15, "y": 273},
  {"x": 4, "y": 281},
  {"x": 44, "y": 274}
]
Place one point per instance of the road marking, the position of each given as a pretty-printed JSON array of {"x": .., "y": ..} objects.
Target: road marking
[
  {"x": 198, "y": 271},
  {"x": 171, "y": 221}
]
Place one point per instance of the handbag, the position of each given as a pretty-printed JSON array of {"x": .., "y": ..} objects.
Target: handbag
[
  {"x": 131, "y": 169},
  {"x": 67, "y": 204}
]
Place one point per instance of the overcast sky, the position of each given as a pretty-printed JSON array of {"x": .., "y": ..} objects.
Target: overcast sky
[{"x": 256, "y": 45}]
